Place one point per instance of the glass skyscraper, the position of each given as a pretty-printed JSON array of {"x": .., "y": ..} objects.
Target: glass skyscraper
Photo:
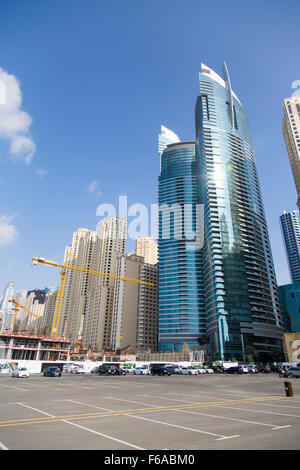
[
  {"x": 241, "y": 296},
  {"x": 290, "y": 225},
  {"x": 229, "y": 290},
  {"x": 181, "y": 316}
]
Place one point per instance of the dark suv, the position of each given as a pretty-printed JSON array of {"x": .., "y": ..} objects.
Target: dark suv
[
  {"x": 234, "y": 370},
  {"x": 52, "y": 372},
  {"x": 113, "y": 369},
  {"x": 159, "y": 369}
]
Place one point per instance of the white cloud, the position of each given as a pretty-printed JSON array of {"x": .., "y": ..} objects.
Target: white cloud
[
  {"x": 8, "y": 232},
  {"x": 94, "y": 188},
  {"x": 14, "y": 122},
  {"x": 41, "y": 172}
]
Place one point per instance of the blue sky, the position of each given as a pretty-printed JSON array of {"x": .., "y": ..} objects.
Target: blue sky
[{"x": 98, "y": 78}]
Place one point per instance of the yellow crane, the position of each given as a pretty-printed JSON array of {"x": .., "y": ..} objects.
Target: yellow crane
[
  {"x": 17, "y": 308},
  {"x": 18, "y": 305},
  {"x": 60, "y": 292}
]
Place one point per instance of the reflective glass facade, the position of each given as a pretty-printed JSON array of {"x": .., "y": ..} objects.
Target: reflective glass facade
[
  {"x": 181, "y": 313},
  {"x": 241, "y": 297},
  {"x": 290, "y": 225}
]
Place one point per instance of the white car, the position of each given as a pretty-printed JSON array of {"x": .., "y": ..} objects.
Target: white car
[
  {"x": 244, "y": 368},
  {"x": 20, "y": 372},
  {"x": 209, "y": 370},
  {"x": 192, "y": 370},
  {"x": 127, "y": 369},
  {"x": 201, "y": 370},
  {"x": 188, "y": 371},
  {"x": 144, "y": 370},
  {"x": 78, "y": 370}
]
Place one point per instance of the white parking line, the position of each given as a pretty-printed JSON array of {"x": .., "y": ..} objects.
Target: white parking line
[
  {"x": 273, "y": 426},
  {"x": 35, "y": 409},
  {"x": 85, "y": 428},
  {"x": 220, "y": 436},
  {"x": 86, "y": 404},
  {"x": 216, "y": 416},
  {"x": 13, "y": 386},
  {"x": 233, "y": 407},
  {"x": 103, "y": 435}
]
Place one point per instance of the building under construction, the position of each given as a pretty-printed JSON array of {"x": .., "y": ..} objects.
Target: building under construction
[{"x": 33, "y": 347}]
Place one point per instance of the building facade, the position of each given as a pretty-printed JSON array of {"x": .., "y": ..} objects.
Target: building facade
[
  {"x": 290, "y": 227},
  {"x": 181, "y": 311},
  {"x": 291, "y": 133},
  {"x": 290, "y": 306},
  {"x": 134, "y": 321},
  {"x": 147, "y": 247},
  {"x": 6, "y": 307},
  {"x": 241, "y": 297},
  {"x": 110, "y": 244},
  {"x": 223, "y": 294}
]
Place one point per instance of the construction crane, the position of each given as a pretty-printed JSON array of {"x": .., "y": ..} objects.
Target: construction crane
[
  {"x": 18, "y": 305},
  {"x": 17, "y": 308},
  {"x": 60, "y": 292}
]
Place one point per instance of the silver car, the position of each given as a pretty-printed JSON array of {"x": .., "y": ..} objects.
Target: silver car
[{"x": 293, "y": 372}]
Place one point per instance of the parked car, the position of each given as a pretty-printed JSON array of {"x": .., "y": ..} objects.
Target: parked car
[
  {"x": 217, "y": 369},
  {"x": 201, "y": 370},
  {"x": 188, "y": 370},
  {"x": 244, "y": 368},
  {"x": 293, "y": 372},
  {"x": 159, "y": 369},
  {"x": 114, "y": 369},
  {"x": 234, "y": 370},
  {"x": 144, "y": 370},
  {"x": 20, "y": 372},
  {"x": 264, "y": 369},
  {"x": 253, "y": 369},
  {"x": 209, "y": 370},
  {"x": 52, "y": 372},
  {"x": 173, "y": 369},
  {"x": 78, "y": 370},
  {"x": 127, "y": 369}
]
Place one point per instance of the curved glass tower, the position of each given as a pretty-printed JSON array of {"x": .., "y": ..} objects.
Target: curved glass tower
[
  {"x": 241, "y": 298},
  {"x": 181, "y": 315}
]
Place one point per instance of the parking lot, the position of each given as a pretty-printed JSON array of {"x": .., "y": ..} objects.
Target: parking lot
[{"x": 211, "y": 412}]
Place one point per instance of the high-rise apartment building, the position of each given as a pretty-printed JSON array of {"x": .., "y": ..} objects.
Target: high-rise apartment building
[
  {"x": 147, "y": 247},
  {"x": 291, "y": 132},
  {"x": 125, "y": 306},
  {"x": 147, "y": 320},
  {"x": 110, "y": 244},
  {"x": 290, "y": 225},
  {"x": 87, "y": 301},
  {"x": 226, "y": 290},
  {"x": 135, "y": 308},
  {"x": 48, "y": 315},
  {"x": 35, "y": 303},
  {"x": 79, "y": 254}
]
